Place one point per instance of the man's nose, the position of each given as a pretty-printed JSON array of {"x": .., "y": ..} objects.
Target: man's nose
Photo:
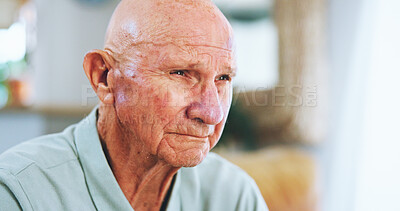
[{"x": 209, "y": 108}]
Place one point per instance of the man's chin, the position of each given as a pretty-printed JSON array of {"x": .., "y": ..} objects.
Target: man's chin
[
  {"x": 188, "y": 158},
  {"x": 181, "y": 154}
]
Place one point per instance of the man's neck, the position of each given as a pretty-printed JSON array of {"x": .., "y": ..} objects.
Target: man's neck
[{"x": 143, "y": 178}]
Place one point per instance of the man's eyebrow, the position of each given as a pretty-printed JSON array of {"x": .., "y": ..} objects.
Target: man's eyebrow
[
  {"x": 183, "y": 63},
  {"x": 231, "y": 70}
]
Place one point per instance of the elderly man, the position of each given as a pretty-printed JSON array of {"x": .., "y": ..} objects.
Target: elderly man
[{"x": 164, "y": 84}]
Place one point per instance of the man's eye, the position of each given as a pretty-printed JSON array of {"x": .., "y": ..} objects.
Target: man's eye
[
  {"x": 224, "y": 78},
  {"x": 178, "y": 72}
]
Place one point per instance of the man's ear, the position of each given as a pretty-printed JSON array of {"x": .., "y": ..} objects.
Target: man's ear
[{"x": 96, "y": 67}]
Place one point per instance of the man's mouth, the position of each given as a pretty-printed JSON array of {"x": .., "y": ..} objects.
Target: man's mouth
[{"x": 191, "y": 135}]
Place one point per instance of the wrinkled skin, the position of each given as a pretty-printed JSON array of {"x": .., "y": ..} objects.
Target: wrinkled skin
[{"x": 164, "y": 82}]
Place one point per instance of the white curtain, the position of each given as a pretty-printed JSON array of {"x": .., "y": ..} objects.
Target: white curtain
[
  {"x": 378, "y": 166},
  {"x": 350, "y": 34}
]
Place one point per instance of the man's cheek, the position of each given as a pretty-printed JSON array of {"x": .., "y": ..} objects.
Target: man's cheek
[
  {"x": 127, "y": 97},
  {"x": 217, "y": 134},
  {"x": 187, "y": 96},
  {"x": 226, "y": 102}
]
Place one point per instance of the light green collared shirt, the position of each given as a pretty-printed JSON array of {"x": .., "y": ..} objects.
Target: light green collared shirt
[{"x": 69, "y": 171}]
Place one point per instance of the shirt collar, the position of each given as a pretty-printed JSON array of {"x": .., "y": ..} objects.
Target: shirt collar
[{"x": 103, "y": 187}]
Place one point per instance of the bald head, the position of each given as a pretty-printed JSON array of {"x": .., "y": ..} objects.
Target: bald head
[{"x": 160, "y": 22}]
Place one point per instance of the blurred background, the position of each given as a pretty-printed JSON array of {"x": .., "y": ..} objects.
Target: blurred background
[{"x": 314, "y": 117}]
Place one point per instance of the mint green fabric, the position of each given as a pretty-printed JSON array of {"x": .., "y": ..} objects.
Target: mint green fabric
[{"x": 69, "y": 171}]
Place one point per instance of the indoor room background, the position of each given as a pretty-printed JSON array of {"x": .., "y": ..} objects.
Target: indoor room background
[{"x": 315, "y": 110}]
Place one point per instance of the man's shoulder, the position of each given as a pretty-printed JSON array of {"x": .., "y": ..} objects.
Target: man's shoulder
[{"x": 44, "y": 151}]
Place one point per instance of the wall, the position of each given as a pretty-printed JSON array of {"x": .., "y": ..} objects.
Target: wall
[{"x": 66, "y": 30}]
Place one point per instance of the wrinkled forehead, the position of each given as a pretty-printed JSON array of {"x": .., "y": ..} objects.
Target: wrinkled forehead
[
  {"x": 149, "y": 56},
  {"x": 186, "y": 34}
]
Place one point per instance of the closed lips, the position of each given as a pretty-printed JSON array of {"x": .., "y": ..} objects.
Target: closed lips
[{"x": 197, "y": 136}]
